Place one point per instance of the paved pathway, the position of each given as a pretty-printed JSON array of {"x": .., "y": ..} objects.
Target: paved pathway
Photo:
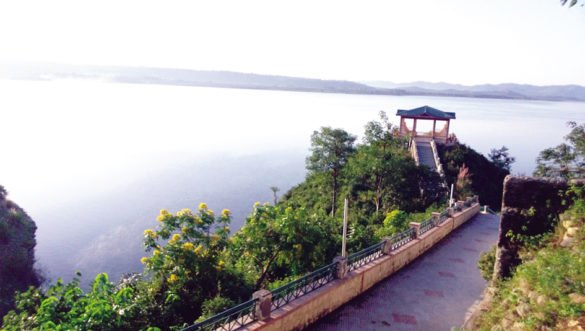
[{"x": 432, "y": 293}]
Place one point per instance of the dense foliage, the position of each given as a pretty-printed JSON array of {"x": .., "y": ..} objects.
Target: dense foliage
[
  {"x": 472, "y": 172},
  {"x": 547, "y": 290}
]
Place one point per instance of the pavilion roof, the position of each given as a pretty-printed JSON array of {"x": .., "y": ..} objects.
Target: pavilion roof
[{"x": 426, "y": 112}]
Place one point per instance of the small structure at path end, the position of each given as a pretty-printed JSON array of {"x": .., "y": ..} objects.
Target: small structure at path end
[{"x": 416, "y": 123}]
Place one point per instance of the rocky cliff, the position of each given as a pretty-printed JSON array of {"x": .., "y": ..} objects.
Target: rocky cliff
[{"x": 17, "y": 244}]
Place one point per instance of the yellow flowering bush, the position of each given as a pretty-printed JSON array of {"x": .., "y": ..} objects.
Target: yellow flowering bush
[
  {"x": 150, "y": 233},
  {"x": 187, "y": 264},
  {"x": 172, "y": 278},
  {"x": 184, "y": 212},
  {"x": 176, "y": 237}
]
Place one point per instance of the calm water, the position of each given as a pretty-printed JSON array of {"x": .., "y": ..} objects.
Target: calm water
[{"x": 93, "y": 162}]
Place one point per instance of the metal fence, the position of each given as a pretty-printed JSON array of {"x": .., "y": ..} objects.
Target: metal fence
[
  {"x": 426, "y": 226},
  {"x": 231, "y": 319},
  {"x": 400, "y": 239},
  {"x": 444, "y": 216},
  {"x": 364, "y": 256},
  {"x": 308, "y": 283}
]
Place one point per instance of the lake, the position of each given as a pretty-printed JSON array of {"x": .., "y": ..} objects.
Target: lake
[{"x": 93, "y": 162}]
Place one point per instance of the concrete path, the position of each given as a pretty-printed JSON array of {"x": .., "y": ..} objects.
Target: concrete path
[{"x": 432, "y": 293}]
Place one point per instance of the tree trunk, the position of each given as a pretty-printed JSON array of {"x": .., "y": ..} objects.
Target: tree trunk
[{"x": 265, "y": 271}]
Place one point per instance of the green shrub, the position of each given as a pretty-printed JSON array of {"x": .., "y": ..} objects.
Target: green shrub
[{"x": 486, "y": 263}]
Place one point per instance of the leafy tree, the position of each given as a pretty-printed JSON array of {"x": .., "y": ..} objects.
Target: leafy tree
[
  {"x": 501, "y": 158},
  {"x": 566, "y": 159},
  {"x": 330, "y": 150},
  {"x": 374, "y": 168},
  {"x": 274, "y": 190},
  {"x": 279, "y": 241}
]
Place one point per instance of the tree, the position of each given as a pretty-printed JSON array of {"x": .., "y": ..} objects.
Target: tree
[
  {"x": 566, "y": 159},
  {"x": 274, "y": 190},
  {"x": 278, "y": 241},
  {"x": 375, "y": 164},
  {"x": 330, "y": 150},
  {"x": 501, "y": 158}
]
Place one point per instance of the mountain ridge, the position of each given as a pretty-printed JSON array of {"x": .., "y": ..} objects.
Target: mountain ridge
[{"x": 231, "y": 79}]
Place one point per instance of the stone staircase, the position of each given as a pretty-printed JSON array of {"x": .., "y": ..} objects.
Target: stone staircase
[{"x": 425, "y": 155}]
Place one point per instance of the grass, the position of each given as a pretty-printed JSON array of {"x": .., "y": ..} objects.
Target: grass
[{"x": 546, "y": 292}]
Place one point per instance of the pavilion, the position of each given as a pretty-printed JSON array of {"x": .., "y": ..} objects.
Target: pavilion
[{"x": 416, "y": 124}]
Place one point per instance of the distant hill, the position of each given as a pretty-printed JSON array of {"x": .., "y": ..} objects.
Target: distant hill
[
  {"x": 140, "y": 75},
  {"x": 507, "y": 91},
  {"x": 227, "y": 79}
]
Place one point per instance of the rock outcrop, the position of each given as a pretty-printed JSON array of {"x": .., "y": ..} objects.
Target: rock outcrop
[
  {"x": 530, "y": 207},
  {"x": 17, "y": 244}
]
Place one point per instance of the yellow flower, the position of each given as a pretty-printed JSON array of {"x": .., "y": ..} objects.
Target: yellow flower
[
  {"x": 188, "y": 246},
  {"x": 184, "y": 230},
  {"x": 226, "y": 213},
  {"x": 198, "y": 249},
  {"x": 176, "y": 237},
  {"x": 144, "y": 260},
  {"x": 214, "y": 237},
  {"x": 172, "y": 278},
  {"x": 199, "y": 221},
  {"x": 156, "y": 252},
  {"x": 163, "y": 215},
  {"x": 210, "y": 212},
  {"x": 184, "y": 212},
  {"x": 219, "y": 265},
  {"x": 256, "y": 204},
  {"x": 202, "y": 206},
  {"x": 150, "y": 233}
]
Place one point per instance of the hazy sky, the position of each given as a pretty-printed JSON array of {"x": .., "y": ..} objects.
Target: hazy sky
[{"x": 462, "y": 41}]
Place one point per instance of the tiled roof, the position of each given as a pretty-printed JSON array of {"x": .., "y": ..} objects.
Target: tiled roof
[{"x": 426, "y": 111}]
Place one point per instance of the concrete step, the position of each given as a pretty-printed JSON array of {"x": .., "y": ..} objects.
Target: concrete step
[{"x": 425, "y": 155}]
